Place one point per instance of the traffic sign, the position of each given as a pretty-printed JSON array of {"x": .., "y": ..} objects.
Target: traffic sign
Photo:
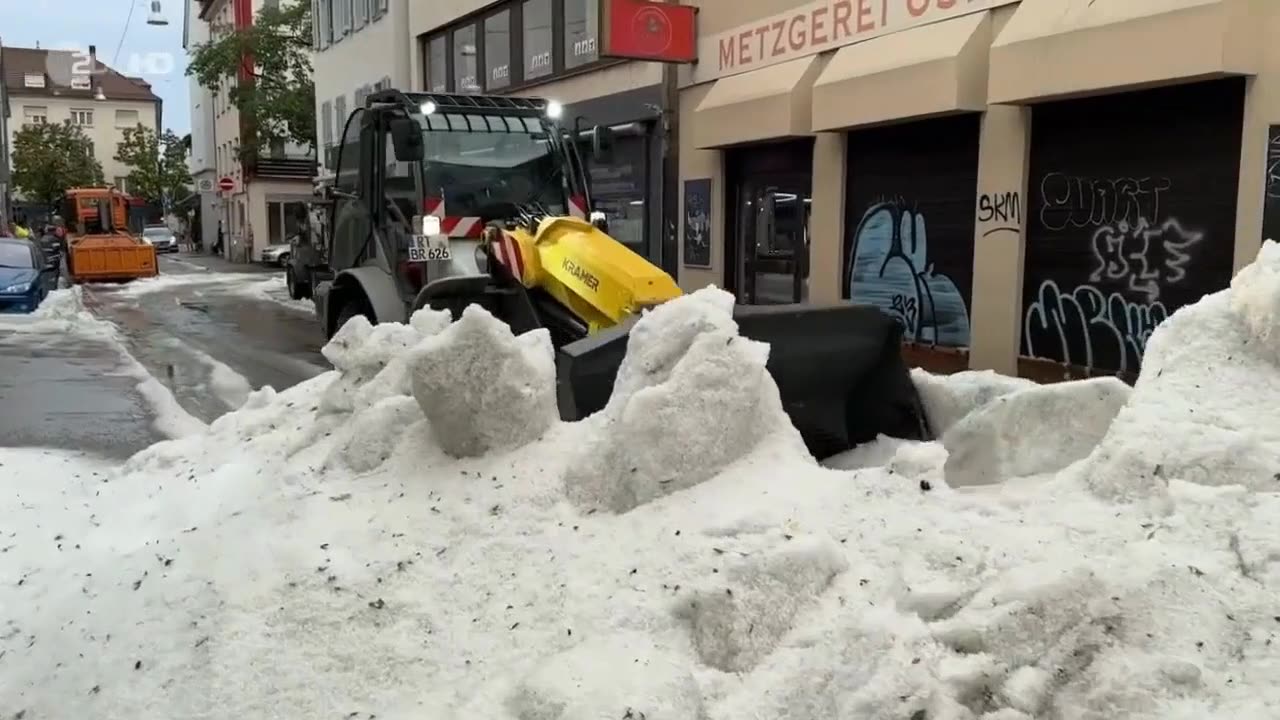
[{"x": 226, "y": 184}]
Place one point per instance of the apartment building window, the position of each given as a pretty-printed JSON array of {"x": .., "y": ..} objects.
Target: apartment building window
[
  {"x": 122, "y": 183},
  {"x": 82, "y": 117},
  {"x": 497, "y": 50},
  {"x": 342, "y": 17},
  {"x": 326, "y": 123},
  {"x": 323, "y": 14},
  {"x": 33, "y": 80},
  {"x": 437, "y": 65},
  {"x": 340, "y": 111},
  {"x": 126, "y": 118},
  {"x": 581, "y": 25},
  {"x": 465, "y": 78},
  {"x": 537, "y": 38},
  {"x": 35, "y": 115}
]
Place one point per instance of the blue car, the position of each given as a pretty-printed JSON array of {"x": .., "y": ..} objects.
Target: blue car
[{"x": 26, "y": 275}]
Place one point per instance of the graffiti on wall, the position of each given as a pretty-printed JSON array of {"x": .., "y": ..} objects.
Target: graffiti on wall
[
  {"x": 889, "y": 267},
  {"x": 1271, "y": 200},
  {"x": 1137, "y": 253}
]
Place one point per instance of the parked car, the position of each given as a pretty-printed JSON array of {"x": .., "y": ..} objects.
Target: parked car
[
  {"x": 26, "y": 275},
  {"x": 276, "y": 255},
  {"x": 161, "y": 238}
]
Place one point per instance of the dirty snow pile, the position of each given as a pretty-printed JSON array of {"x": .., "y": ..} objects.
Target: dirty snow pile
[{"x": 415, "y": 535}]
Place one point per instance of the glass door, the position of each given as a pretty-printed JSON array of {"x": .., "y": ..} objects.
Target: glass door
[{"x": 772, "y": 241}]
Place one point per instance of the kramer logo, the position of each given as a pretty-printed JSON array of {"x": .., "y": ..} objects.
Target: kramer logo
[{"x": 582, "y": 274}]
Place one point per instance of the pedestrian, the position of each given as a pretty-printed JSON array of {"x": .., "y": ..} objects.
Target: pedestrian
[
  {"x": 20, "y": 229},
  {"x": 217, "y": 245}
]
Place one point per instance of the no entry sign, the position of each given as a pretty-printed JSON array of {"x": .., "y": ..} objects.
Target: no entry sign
[{"x": 226, "y": 184}]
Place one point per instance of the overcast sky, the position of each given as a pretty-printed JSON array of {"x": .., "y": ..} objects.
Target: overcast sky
[{"x": 152, "y": 52}]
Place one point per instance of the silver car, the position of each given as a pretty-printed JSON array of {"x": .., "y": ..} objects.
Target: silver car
[
  {"x": 277, "y": 255},
  {"x": 161, "y": 238}
]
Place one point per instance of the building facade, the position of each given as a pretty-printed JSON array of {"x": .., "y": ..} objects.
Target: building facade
[
  {"x": 4, "y": 147},
  {"x": 550, "y": 49},
  {"x": 204, "y": 171},
  {"x": 361, "y": 46},
  {"x": 1027, "y": 186},
  {"x": 257, "y": 212},
  {"x": 57, "y": 86}
]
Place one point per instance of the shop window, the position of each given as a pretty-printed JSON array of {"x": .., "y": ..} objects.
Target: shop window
[
  {"x": 537, "y": 39},
  {"x": 581, "y": 24},
  {"x": 618, "y": 190},
  {"x": 465, "y": 78},
  {"x": 437, "y": 65},
  {"x": 497, "y": 50}
]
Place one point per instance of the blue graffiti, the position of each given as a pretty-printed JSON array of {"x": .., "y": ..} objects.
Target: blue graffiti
[{"x": 889, "y": 268}]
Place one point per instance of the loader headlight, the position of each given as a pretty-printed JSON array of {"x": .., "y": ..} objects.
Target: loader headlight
[
  {"x": 554, "y": 110},
  {"x": 15, "y": 288}
]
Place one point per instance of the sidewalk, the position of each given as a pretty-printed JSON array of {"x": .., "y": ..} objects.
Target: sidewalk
[{"x": 214, "y": 263}]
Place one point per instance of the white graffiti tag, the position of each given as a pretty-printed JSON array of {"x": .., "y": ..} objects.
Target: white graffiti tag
[
  {"x": 1089, "y": 328},
  {"x": 1141, "y": 256}
]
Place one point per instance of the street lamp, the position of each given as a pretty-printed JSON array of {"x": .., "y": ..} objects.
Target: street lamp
[{"x": 156, "y": 17}]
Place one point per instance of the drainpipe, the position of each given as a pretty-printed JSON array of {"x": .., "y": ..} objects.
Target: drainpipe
[{"x": 671, "y": 167}]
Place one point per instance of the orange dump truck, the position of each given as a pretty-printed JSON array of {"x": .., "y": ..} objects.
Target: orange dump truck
[{"x": 102, "y": 250}]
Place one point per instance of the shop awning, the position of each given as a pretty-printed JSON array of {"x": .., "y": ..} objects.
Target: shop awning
[
  {"x": 1059, "y": 48},
  {"x": 770, "y": 103},
  {"x": 927, "y": 70}
]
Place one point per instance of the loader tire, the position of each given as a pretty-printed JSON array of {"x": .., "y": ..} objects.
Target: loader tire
[{"x": 354, "y": 307}]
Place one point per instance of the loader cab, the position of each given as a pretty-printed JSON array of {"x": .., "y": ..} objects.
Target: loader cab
[{"x": 460, "y": 163}]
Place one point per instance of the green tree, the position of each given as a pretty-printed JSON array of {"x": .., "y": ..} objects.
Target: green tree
[
  {"x": 49, "y": 158},
  {"x": 157, "y": 164},
  {"x": 277, "y": 97}
]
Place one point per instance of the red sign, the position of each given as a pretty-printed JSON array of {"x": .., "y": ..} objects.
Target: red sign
[
  {"x": 648, "y": 30},
  {"x": 226, "y": 184}
]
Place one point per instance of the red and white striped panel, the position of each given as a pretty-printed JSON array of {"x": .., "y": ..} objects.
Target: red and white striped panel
[
  {"x": 462, "y": 227},
  {"x": 454, "y": 227},
  {"x": 578, "y": 207},
  {"x": 507, "y": 251}
]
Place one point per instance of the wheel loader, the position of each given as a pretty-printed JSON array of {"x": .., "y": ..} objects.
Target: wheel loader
[{"x": 444, "y": 201}]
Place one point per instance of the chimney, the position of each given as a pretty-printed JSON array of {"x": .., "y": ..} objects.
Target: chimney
[{"x": 93, "y": 72}]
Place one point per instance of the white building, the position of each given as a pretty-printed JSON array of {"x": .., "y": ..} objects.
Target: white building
[
  {"x": 263, "y": 206},
  {"x": 4, "y": 146},
  {"x": 204, "y": 173},
  {"x": 361, "y": 46},
  {"x": 62, "y": 85}
]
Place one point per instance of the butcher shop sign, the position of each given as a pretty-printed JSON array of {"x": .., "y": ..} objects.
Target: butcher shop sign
[{"x": 817, "y": 27}]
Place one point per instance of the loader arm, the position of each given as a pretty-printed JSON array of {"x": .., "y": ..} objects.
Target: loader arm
[
  {"x": 596, "y": 278},
  {"x": 839, "y": 371}
]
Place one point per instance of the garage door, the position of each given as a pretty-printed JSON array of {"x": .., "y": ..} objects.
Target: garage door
[
  {"x": 909, "y": 232},
  {"x": 1132, "y": 215}
]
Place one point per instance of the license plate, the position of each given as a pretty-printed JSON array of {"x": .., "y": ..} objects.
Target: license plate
[{"x": 425, "y": 249}]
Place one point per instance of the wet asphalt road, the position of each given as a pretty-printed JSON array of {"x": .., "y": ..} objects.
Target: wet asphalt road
[{"x": 208, "y": 331}]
